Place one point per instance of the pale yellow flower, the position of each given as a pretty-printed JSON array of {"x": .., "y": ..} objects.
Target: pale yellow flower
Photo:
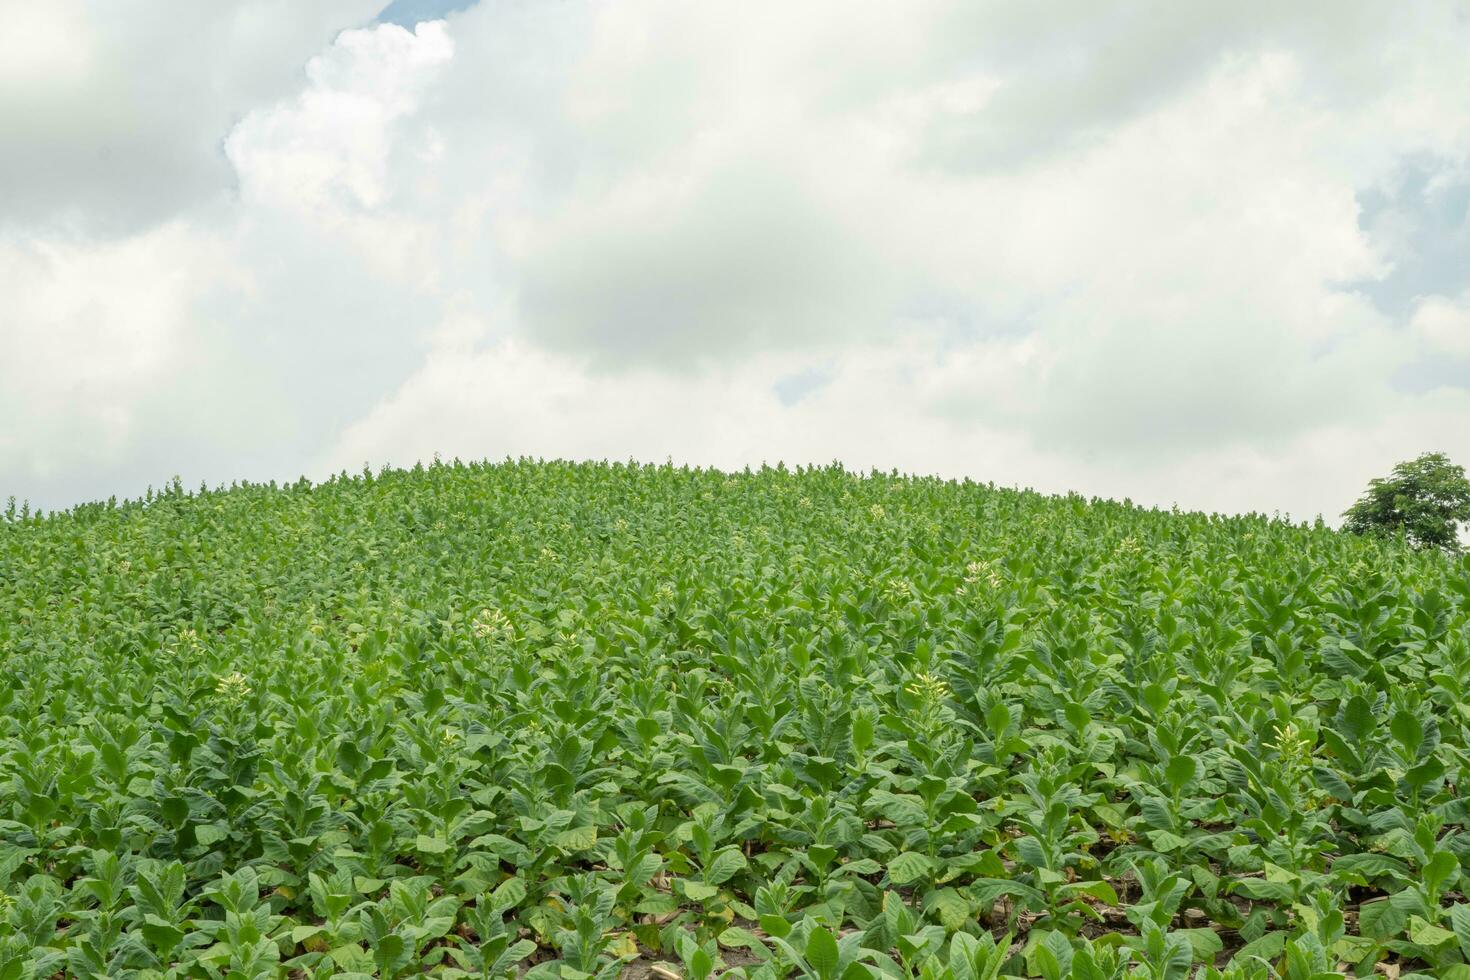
[
  {"x": 928, "y": 688},
  {"x": 233, "y": 687},
  {"x": 492, "y": 624},
  {"x": 898, "y": 589}
]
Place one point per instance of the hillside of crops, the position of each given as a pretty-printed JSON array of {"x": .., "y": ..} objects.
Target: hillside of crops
[{"x": 582, "y": 720}]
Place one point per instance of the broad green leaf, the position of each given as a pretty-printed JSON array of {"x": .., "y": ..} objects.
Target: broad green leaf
[
  {"x": 1180, "y": 770},
  {"x": 1381, "y": 919},
  {"x": 821, "y": 953},
  {"x": 577, "y": 838},
  {"x": 724, "y": 865},
  {"x": 1426, "y": 934},
  {"x": 1408, "y": 729},
  {"x": 735, "y": 937},
  {"x": 952, "y": 908},
  {"x": 909, "y": 867},
  {"x": 1459, "y": 915},
  {"x": 699, "y": 891}
]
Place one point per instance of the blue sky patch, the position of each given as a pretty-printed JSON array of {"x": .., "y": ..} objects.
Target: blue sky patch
[
  {"x": 1422, "y": 221},
  {"x": 407, "y": 13},
  {"x": 794, "y": 387}
]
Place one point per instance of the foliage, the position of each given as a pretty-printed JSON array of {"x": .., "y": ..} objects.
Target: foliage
[
  {"x": 571, "y": 719},
  {"x": 1426, "y": 499}
]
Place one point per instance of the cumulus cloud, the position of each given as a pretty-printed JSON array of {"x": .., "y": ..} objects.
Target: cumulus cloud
[
  {"x": 1205, "y": 259},
  {"x": 113, "y": 114},
  {"x": 747, "y": 257},
  {"x": 105, "y": 327},
  {"x": 326, "y": 152},
  {"x": 1442, "y": 324}
]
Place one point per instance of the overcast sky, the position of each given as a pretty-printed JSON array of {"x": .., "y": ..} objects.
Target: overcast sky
[{"x": 1215, "y": 255}]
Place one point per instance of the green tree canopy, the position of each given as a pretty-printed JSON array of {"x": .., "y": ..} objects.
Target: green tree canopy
[{"x": 1427, "y": 498}]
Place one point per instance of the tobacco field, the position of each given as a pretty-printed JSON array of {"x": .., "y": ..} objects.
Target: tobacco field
[{"x": 589, "y": 720}]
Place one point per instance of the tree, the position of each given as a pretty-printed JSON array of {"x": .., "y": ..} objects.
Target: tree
[{"x": 1427, "y": 498}]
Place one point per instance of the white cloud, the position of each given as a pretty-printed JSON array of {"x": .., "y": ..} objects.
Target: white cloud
[
  {"x": 1109, "y": 253},
  {"x": 112, "y": 115},
  {"x": 1443, "y": 325},
  {"x": 52, "y": 39},
  {"x": 328, "y": 149},
  {"x": 91, "y": 333}
]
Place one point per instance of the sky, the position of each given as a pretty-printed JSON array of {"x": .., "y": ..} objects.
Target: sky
[{"x": 1213, "y": 256}]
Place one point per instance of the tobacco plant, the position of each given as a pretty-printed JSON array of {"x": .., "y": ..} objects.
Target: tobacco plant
[{"x": 549, "y": 719}]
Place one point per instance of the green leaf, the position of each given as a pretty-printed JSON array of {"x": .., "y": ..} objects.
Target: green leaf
[
  {"x": 161, "y": 935},
  {"x": 1084, "y": 966},
  {"x": 576, "y": 838},
  {"x": 952, "y": 908},
  {"x": 1266, "y": 947},
  {"x": 775, "y": 925},
  {"x": 986, "y": 890},
  {"x": 998, "y": 719},
  {"x": 1381, "y": 919},
  {"x": 909, "y": 867},
  {"x": 209, "y": 834},
  {"x": 1044, "y": 963},
  {"x": 1273, "y": 891},
  {"x": 1367, "y": 866},
  {"x": 1166, "y": 841},
  {"x": 1408, "y": 729},
  {"x": 724, "y": 865},
  {"x": 862, "y": 866},
  {"x": 1100, "y": 890},
  {"x": 1205, "y": 943},
  {"x": 735, "y": 937},
  {"x": 1178, "y": 957},
  {"x": 821, "y": 953},
  {"x": 302, "y": 933},
  {"x": 1180, "y": 770},
  {"x": 699, "y": 891},
  {"x": 1060, "y": 949},
  {"x": 352, "y": 958},
  {"x": 862, "y": 730},
  {"x": 1425, "y": 772},
  {"x": 508, "y": 894},
  {"x": 391, "y": 954},
  {"x": 1460, "y": 922},
  {"x": 1356, "y": 718},
  {"x": 1441, "y": 865},
  {"x": 1426, "y": 934}
]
